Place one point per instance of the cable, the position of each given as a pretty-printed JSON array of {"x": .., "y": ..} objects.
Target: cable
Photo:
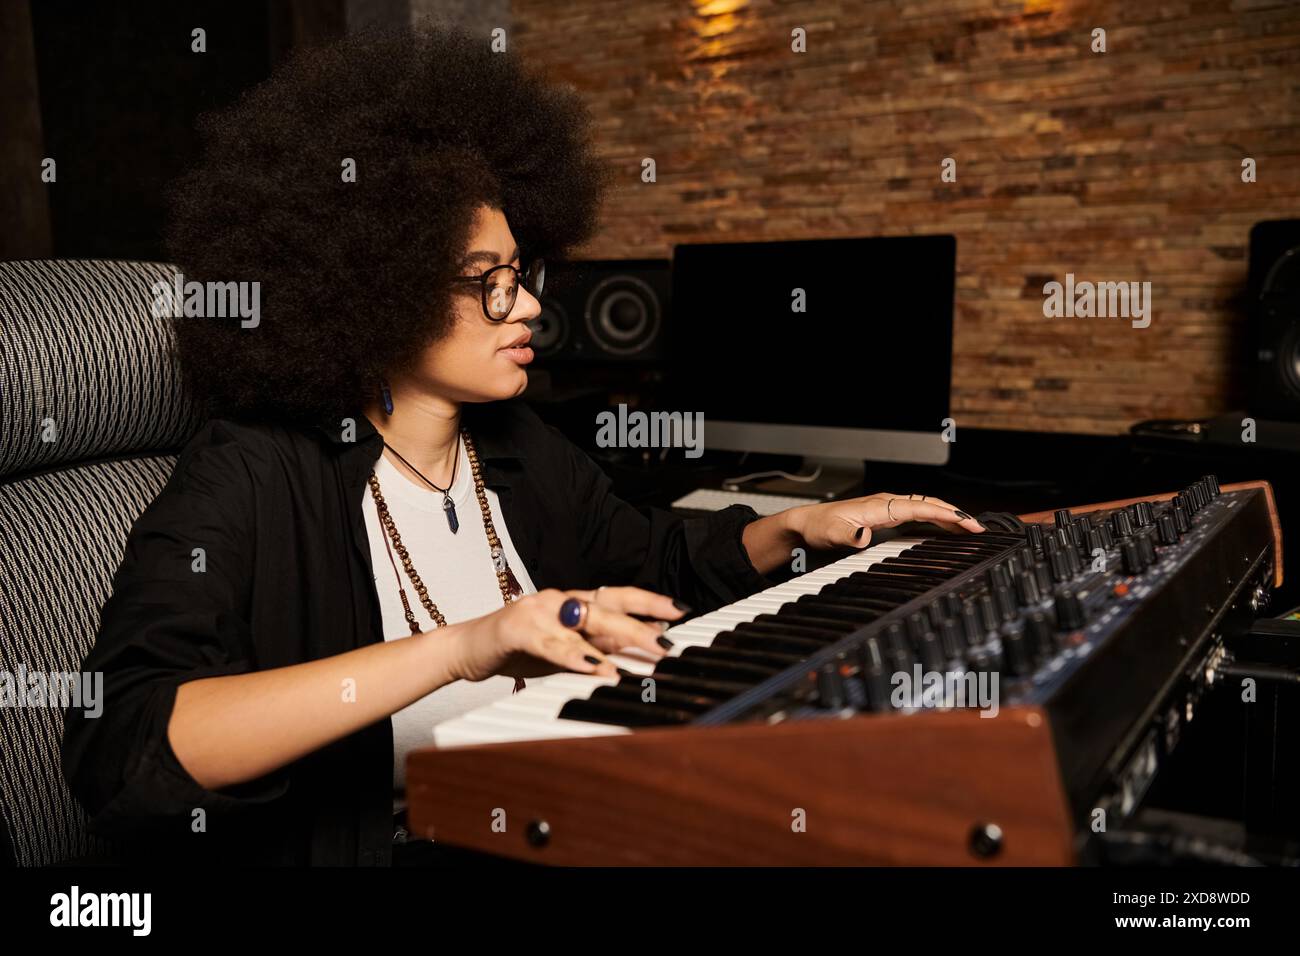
[
  {"x": 1261, "y": 672},
  {"x": 728, "y": 483}
]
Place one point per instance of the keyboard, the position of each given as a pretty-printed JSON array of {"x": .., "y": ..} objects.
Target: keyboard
[
  {"x": 927, "y": 701},
  {"x": 715, "y": 499},
  {"x": 719, "y": 655}
]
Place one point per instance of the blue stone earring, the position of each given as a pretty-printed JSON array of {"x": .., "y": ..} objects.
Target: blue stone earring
[{"x": 386, "y": 396}]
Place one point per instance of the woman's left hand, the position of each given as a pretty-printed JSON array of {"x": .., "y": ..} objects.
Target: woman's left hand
[{"x": 848, "y": 524}]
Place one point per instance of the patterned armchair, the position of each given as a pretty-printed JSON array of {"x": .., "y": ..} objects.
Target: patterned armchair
[{"x": 91, "y": 413}]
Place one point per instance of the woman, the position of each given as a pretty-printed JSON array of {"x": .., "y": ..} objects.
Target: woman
[{"x": 369, "y": 536}]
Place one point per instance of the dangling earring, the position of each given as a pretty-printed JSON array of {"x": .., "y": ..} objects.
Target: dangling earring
[{"x": 386, "y": 396}]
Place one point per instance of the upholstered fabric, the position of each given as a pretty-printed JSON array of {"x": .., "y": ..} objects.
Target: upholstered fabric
[
  {"x": 91, "y": 405},
  {"x": 86, "y": 370},
  {"x": 61, "y": 537}
]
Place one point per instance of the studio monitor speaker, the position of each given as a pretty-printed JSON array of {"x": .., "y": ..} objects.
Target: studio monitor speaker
[
  {"x": 603, "y": 311},
  {"x": 1274, "y": 288}
]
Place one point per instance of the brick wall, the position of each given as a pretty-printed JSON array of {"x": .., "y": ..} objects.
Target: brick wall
[{"x": 1117, "y": 166}]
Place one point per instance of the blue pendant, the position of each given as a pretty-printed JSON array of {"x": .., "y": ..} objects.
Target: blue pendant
[{"x": 449, "y": 507}]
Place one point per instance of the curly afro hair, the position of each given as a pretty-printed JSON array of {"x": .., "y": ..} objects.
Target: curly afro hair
[{"x": 355, "y": 275}]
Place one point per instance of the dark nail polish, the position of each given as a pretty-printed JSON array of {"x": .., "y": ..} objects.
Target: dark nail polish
[
  {"x": 857, "y": 535},
  {"x": 963, "y": 516},
  {"x": 664, "y": 642},
  {"x": 592, "y": 660},
  {"x": 684, "y": 608}
]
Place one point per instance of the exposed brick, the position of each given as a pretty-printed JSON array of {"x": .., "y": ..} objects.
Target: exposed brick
[{"x": 1123, "y": 166}]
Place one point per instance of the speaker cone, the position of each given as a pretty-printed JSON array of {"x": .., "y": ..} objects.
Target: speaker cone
[
  {"x": 622, "y": 315},
  {"x": 1279, "y": 297}
]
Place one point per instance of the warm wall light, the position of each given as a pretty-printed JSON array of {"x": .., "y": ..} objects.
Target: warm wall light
[
  {"x": 1038, "y": 6},
  {"x": 717, "y": 17},
  {"x": 715, "y": 8}
]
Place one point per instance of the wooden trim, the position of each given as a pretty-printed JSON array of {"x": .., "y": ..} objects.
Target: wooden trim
[
  {"x": 875, "y": 789},
  {"x": 1269, "y": 500}
]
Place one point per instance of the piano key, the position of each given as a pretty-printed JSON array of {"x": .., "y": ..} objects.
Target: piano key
[
  {"x": 723, "y": 670},
  {"x": 680, "y": 700},
  {"x": 695, "y": 685},
  {"x": 624, "y": 713},
  {"x": 821, "y": 635},
  {"x": 775, "y": 659},
  {"x": 533, "y": 713},
  {"x": 801, "y": 647}
]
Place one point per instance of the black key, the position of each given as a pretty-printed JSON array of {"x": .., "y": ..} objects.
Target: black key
[
  {"x": 891, "y": 580},
  {"x": 788, "y": 615},
  {"x": 810, "y": 604},
  {"x": 662, "y": 696},
  {"x": 720, "y": 690},
  {"x": 821, "y": 635},
  {"x": 843, "y": 597},
  {"x": 956, "y": 546},
  {"x": 984, "y": 542},
  {"x": 776, "y": 660},
  {"x": 880, "y": 592},
  {"x": 801, "y": 647},
  {"x": 920, "y": 571},
  {"x": 624, "y": 714},
  {"x": 728, "y": 670},
  {"x": 963, "y": 559},
  {"x": 948, "y": 568}
]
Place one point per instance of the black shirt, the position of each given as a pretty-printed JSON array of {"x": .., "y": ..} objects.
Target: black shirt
[{"x": 284, "y": 576}]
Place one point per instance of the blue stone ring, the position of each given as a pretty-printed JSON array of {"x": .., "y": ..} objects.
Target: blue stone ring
[{"x": 573, "y": 613}]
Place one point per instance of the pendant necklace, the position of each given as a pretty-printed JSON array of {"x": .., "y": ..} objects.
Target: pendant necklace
[{"x": 448, "y": 506}]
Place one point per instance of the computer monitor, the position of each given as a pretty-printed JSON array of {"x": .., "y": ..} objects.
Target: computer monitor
[{"x": 839, "y": 350}]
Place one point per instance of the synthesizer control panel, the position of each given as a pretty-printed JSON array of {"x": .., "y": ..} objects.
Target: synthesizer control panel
[{"x": 1086, "y": 617}]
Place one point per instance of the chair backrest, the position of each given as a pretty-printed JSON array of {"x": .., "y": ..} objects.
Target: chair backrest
[{"x": 92, "y": 410}]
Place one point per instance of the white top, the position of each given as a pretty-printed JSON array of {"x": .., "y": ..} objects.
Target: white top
[{"x": 457, "y": 570}]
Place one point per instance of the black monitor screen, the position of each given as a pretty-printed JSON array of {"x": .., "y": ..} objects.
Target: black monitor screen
[{"x": 871, "y": 348}]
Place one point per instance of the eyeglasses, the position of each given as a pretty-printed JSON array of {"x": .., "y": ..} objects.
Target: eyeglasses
[{"x": 500, "y": 287}]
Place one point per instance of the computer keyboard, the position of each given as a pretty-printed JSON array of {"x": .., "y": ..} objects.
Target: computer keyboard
[{"x": 714, "y": 499}]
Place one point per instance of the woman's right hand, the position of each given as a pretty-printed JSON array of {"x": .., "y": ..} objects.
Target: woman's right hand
[{"x": 526, "y": 639}]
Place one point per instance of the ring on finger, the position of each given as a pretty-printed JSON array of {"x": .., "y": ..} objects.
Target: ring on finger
[
  {"x": 889, "y": 508},
  {"x": 573, "y": 613}
]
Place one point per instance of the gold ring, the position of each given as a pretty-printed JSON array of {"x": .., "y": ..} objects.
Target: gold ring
[{"x": 889, "y": 508}]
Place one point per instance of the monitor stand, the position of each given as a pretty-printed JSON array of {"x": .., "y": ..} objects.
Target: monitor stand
[{"x": 838, "y": 476}]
